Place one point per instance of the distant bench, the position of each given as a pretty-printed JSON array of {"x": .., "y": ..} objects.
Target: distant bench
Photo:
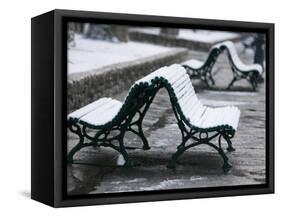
[
  {"x": 111, "y": 119},
  {"x": 203, "y": 70}
]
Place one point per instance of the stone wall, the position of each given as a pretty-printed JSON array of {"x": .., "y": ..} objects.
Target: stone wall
[{"x": 86, "y": 87}]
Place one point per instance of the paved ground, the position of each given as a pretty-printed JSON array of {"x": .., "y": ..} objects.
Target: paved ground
[{"x": 199, "y": 167}]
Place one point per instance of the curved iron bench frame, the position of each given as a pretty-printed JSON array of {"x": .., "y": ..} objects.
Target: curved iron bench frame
[
  {"x": 136, "y": 105},
  {"x": 190, "y": 132},
  {"x": 205, "y": 71},
  {"x": 251, "y": 76},
  {"x": 138, "y": 102}
]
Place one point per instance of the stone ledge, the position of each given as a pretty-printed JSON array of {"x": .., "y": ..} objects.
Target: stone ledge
[{"x": 86, "y": 87}]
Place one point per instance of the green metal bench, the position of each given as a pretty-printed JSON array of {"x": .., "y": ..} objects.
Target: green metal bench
[
  {"x": 110, "y": 119},
  {"x": 251, "y": 72},
  {"x": 196, "y": 122},
  {"x": 203, "y": 70},
  {"x": 197, "y": 69}
]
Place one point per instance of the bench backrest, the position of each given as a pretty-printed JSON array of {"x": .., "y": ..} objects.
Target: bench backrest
[
  {"x": 235, "y": 60},
  {"x": 213, "y": 54},
  {"x": 181, "y": 91},
  {"x": 182, "y": 95}
]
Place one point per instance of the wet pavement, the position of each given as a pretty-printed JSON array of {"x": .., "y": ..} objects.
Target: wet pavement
[{"x": 99, "y": 170}]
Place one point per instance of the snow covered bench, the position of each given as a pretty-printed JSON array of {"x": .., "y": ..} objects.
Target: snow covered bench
[
  {"x": 203, "y": 70},
  {"x": 110, "y": 119},
  {"x": 240, "y": 70},
  {"x": 198, "y": 124}
]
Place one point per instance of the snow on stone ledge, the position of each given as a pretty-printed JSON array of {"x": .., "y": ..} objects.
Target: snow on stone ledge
[
  {"x": 206, "y": 36},
  {"x": 91, "y": 54}
]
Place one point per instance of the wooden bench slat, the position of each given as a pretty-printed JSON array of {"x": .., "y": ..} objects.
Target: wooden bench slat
[
  {"x": 103, "y": 114},
  {"x": 88, "y": 108},
  {"x": 194, "y": 63}
]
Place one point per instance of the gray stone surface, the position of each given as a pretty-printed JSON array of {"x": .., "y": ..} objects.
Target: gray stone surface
[{"x": 97, "y": 169}]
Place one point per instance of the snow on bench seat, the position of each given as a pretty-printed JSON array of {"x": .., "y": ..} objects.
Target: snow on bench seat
[
  {"x": 193, "y": 63},
  {"x": 200, "y": 116},
  {"x": 213, "y": 117},
  {"x": 236, "y": 60},
  {"x": 97, "y": 113}
]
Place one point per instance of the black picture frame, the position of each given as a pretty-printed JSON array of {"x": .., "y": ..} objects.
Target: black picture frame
[{"x": 49, "y": 107}]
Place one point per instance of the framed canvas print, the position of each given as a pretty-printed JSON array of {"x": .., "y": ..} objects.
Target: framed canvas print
[{"x": 134, "y": 108}]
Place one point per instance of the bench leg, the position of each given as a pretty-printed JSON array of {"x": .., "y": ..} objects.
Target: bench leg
[
  {"x": 254, "y": 84},
  {"x": 144, "y": 140},
  {"x": 182, "y": 148},
  {"x": 212, "y": 79},
  {"x": 122, "y": 150},
  {"x": 229, "y": 143},
  {"x": 139, "y": 133},
  {"x": 231, "y": 83},
  {"x": 226, "y": 164}
]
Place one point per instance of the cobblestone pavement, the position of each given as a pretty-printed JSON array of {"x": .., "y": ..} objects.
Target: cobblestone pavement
[{"x": 98, "y": 170}]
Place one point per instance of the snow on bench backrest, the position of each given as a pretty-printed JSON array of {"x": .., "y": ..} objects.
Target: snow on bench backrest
[
  {"x": 235, "y": 58},
  {"x": 182, "y": 86},
  {"x": 189, "y": 105}
]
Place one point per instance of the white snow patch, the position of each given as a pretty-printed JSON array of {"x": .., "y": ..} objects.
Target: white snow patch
[
  {"x": 196, "y": 178},
  {"x": 120, "y": 160},
  {"x": 206, "y": 35},
  {"x": 136, "y": 180},
  {"x": 164, "y": 185},
  {"x": 91, "y": 54},
  {"x": 148, "y": 30}
]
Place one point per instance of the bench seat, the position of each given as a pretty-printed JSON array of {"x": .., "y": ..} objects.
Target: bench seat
[
  {"x": 97, "y": 113},
  {"x": 194, "y": 63},
  {"x": 216, "y": 117}
]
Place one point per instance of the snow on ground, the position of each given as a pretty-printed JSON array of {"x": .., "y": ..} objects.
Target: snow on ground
[
  {"x": 91, "y": 54},
  {"x": 206, "y": 36},
  {"x": 148, "y": 30}
]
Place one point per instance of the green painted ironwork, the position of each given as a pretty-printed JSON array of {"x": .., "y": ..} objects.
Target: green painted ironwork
[
  {"x": 251, "y": 76},
  {"x": 130, "y": 118},
  {"x": 135, "y": 107},
  {"x": 194, "y": 134},
  {"x": 205, "y": 71}
]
